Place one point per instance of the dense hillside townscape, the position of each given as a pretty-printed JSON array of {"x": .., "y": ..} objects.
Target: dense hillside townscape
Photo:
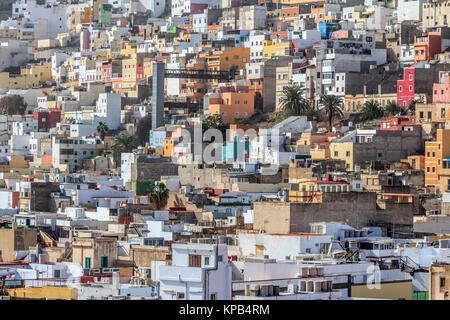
[{"x": 225, "y": 150}]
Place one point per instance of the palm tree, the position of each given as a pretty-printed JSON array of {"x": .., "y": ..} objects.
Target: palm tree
[
  {"x": 102, "y": 128},
  {"x": 371, "y": 110},
  {"x": 124, "y": 143},
  {"x": 333, "y": 107},
  {"x": 293, "y": 102},
  {"x": 158, "y": 195},
  {"x": 392, "y": 108}
]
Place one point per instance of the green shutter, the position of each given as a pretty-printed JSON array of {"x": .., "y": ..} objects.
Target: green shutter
[{"x": 87, "y": 262}]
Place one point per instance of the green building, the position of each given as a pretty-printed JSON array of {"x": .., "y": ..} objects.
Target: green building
[{"x": 104, "y": 14}]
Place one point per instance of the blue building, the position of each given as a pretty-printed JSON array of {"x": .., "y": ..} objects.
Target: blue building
[
  {"x": 238, "y": 150},
  {"x": 326, "y": 28},
  {"x": 157, "y": 137}
]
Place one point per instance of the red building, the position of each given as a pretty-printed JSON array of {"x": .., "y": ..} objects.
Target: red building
[
  {"x": 47, "y": 118},
  {"x": 139, "y": 71},
  {"x": 405, "y": 87},
  {"x": 397, "y": 123},
  {"x": 441, "y": 91}
]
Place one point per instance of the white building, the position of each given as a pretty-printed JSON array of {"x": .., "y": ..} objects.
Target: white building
[
  {"x": 68, "y": 152},
  {"x": 108, "y": 110},
  {"x": 283, "y": 247},
  {"x": 155, "y": 7},
  {"x": 409, "y": 10},
  {"x": 255, "y": 43},
  {"x": 181, "y": 7},
  {"x": 102, "y": 196},
  {"x": 252, "y": 17},
  {"x": 198, "y": 272}
]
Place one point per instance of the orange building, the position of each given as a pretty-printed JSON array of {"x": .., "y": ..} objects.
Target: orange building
[
  {"x": 232, "y": 102},
  {"x": 427, "y": 46},
  {"x": 417, "y": 162},
  {"x": 173, "y": 137},
  {"x": 222, "y": 60},
  {"x": 290, "y": 14},
  {"x": 435, "y": 153},
  {"x": 85, "y": 15}
]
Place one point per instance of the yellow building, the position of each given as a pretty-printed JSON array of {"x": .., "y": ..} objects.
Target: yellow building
[
  {"x": 343, "y": 151},
  {"x": 311, "y": 190},
  {"x": 148, "y": 67},
  {"x": 8, "y": 33},
  {"x": 355, "y": 103},
  {"x": 103, "y": 53},
  {"x": 59, "y": 293},
  {"x": 129, "y": 67},
  {"x": 128, "y": 49},
  {"x": 30, "y": 76},
  {"x": 272, "y": 48},
  {"x": 436, "y": 152},
  {"x": 320, "y": 153}
]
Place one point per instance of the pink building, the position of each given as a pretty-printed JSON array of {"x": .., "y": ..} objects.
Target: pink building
[{"x": 441, "y": 91}]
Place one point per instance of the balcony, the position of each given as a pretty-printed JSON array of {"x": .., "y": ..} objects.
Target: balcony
[
  {"x": 185, "y": 274},
  {"x": 328, "y": 69}
]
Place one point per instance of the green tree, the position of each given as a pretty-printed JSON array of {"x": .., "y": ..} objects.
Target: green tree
[
  {"x": 13, "y": 104},
  {"x": 233, "y": 69},
  {"x": 102, "y": 128},
  {"x": 158, "y": 195},
  {"x": 293, "y": 101},
  {"x": 241, "y": 120},
  {"x": 333, "y": 107},
  {"x": 392, "y": 108},
  {"x": 371, "y": 110},
  {"x": 278, "y": 116},
  {"x": 214, "y": 121},
  {"x": 124, "y": 143}
]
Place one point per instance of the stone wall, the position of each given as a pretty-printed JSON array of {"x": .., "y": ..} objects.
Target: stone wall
[{"x": 358, "y": 209}]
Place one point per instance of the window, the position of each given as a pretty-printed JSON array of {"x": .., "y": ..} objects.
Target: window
[
  {"x": 104, "y": 262},
  {"x": 347, "y": 154},
  {"x": 87, "y": 262},
  {"x": 206, "y": 261},
  {"x": 442, "y": 283},
  {"x": 195, "y": 260}
]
